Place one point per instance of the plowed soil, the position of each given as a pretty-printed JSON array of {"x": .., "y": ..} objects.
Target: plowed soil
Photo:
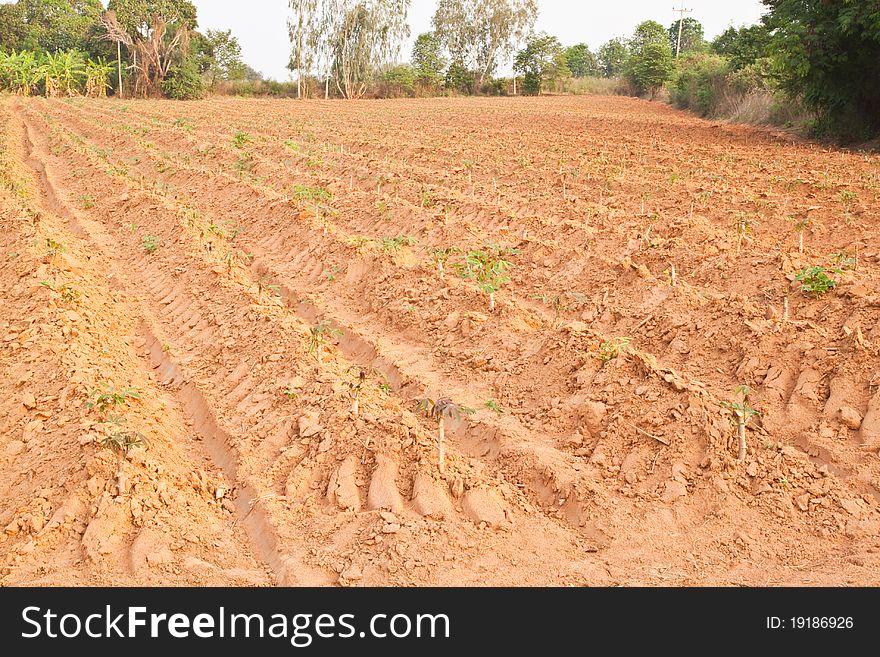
[{"x": 187, "y": 251}]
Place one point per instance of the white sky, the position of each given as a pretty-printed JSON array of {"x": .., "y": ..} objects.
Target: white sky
[{"x": 261, "y": 25}]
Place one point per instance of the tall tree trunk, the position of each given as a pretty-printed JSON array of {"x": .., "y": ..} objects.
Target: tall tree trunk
[{"x": 119, "y": 67}]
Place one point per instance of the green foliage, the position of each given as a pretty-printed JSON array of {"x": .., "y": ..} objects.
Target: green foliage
[
  {"x": 611, "y": 349},
  {"x": 319, "y": 334},
  {"x": 241, "y": 139},
  {"x": 581, "y": 61},
  {"x": 701, "y": 80},
  {"x": 828, "y": 54},
  {"x": 692, "y": 39},
  {"x": 741, "y": 411},
  {"x": 218, "y": 54},
  {"x": 612, "y": 57},
  {"x": 51, "y": 25},
  {"x": 122, "y": 442},
  {"x": 398, "y": 81},
  {"x": 541, "y": 62},
  {"x": 150, "y": 244},
  {"x": 647, "y": 33},
  {"x": 487, "y": 267},
  {"x": 492, "y": 405},
  {"x": 107, "y": 397},
  {"x": 394, "y": 244},
  {"x": 459, "y": 78},
  {"x": 61, "y": 73},
  {"x": 817, "y": 280},
  {"x": 136, "y": 15},
  {"x": 184, "y": 82},
  {"x": 428, "y": 60},
  {"x": 743, "y": 46},
  {"x": 650, "y": 67}
]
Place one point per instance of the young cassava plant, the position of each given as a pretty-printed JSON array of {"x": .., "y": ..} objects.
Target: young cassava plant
[
  {"x": 442, "y": 410},
  {"x": 739, "y": 413},
  {"x": 121, "y": 443},
  {"x": 488, "y": 268},
  {"x": 318, "y": 336},
  {"x": 360, "y": 376}
]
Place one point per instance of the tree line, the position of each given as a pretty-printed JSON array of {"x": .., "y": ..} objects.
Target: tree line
[{"x": 819, "y": 55}]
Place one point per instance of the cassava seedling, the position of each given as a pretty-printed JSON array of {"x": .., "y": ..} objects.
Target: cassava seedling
[
  {"x": 800, "y": 226},
  {"x": 394, "y": 244},
  {"x": 554, "y": 302},
  {"x": 492, "y": 405},
  {"x": 106, "y": 396},
  {"x": 441, "y": 256},
  {"x": 488, "y": 268},
  {"x": 743, "y": 225},
  {"x": 319, "y": 335},
  {"x": 847, "y": 197},
  {"x": 150, "y": 244},
  {"x": 816, "y": 280},
  {"x": 441, "y": 410},
  {"x": 264, "y": 284},
  {"x": 611, "y": 349},
  {"x": 121, "y": 443},
  {"x": 740, "y": 412},
  {"x": 241, "y": 139},
  {"x": 53, "y": 250},
  {"x": 360, "y": 375}
]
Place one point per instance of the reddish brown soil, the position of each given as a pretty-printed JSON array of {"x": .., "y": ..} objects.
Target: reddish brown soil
[{"x": 269, "y": 217}]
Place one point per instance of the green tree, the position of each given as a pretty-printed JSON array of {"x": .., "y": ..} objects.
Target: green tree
[
  {"x": 399, "y": 80},
  {"x": 428, "y": 60},
  {"x": 581, "y": 61},
  {"x": 612, "y": 58},
  {"x": 692, "y": 38},
  {"x": 542, "y": 61},
  {"x": 459, "y": 78},
  {"x": 828, "y": 53},
  {"x": 743, "y": 46},
  {"x": 648, "y": 32},
  {"x": 184, "y": 81},
  {"x": 651, "y": 67},
  {"x": 136, "y": 16},
  {"x": 480, "y": 33},
  {"x": 50, "y": 25},
  {"x": 219, "y": 56}
]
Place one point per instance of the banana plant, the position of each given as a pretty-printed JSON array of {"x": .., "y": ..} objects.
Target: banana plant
[{"x": 97, "y": 76}]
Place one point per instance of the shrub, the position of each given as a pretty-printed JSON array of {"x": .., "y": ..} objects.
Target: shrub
[
  {"x": 651, "y": 67},
  {"x": 184, "y": 82},
  {"x": 700, "y": 84}
]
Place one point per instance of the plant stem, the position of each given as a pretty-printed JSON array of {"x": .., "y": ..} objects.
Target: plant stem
[
  {"x": 355, "y": 406},
  {"x": 121, "y": 479},
  {"x": 741, "y": 434},
  {"x": 441, "y": 444},
  {"x": 491, "y": 302}
]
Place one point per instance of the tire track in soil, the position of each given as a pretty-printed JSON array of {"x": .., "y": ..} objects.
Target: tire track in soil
[
  {"x": 551, "y": 476},
  {"x": 591, "y": 535},
  {"x": 247, "y": 503}
]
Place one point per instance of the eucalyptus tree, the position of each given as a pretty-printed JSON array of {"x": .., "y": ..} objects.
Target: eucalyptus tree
[{"x": 481, "y": 33}]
